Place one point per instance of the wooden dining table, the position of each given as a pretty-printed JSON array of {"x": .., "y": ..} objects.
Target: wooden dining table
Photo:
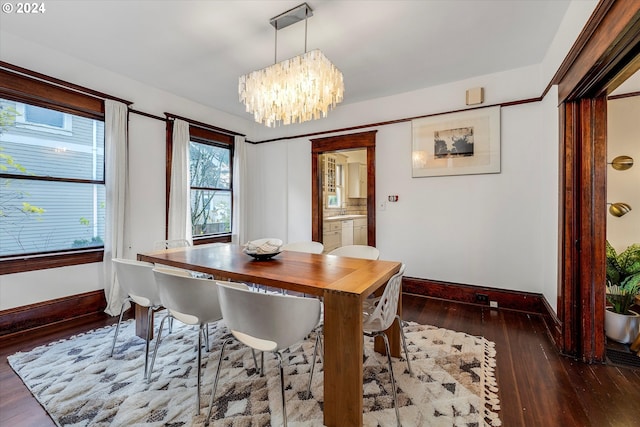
[{"x": 342, "y": 282}]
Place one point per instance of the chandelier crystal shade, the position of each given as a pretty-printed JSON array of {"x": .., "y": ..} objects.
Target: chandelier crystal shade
[
  {"x": 305, "y": 87},
  {"x": 297, "y": 90}
]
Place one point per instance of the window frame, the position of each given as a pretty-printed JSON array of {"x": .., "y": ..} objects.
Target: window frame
[
  {"x": 202, "y": 134},
  {"x": 24, "y": 86}
]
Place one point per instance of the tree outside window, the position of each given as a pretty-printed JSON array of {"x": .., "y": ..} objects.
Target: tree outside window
[{"x": 210, "y": 177}]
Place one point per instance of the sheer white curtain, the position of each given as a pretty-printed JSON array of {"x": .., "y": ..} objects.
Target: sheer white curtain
[
  {"x": 115, "y": 141},
  {"x": 179, "y": 197},
  {"x": 239, "y": 232}
]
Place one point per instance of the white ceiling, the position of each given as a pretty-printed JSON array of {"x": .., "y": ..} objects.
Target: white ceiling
[{"x": 198, "y": 49}]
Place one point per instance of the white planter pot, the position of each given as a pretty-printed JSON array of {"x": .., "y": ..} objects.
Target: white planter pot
[{"x": 623, "y": 328}]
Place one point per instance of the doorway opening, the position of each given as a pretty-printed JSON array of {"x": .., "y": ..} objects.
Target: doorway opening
[
  {"x": 344, "y": 198},
  {"x": 343, "y": 189}
]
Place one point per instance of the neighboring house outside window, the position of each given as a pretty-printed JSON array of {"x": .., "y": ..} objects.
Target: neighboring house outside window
[
  {"x": 52, "y": 178},
  {"x": 52, "y": 185}
]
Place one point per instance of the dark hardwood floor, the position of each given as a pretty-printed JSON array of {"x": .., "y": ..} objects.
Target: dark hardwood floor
[{"x": 538, "y": 387}]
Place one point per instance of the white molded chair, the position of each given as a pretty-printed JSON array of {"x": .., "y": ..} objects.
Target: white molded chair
[
  {"x": 191, "y": 300},
  {"x": 304, "y": 246},
  {"x": 380, "y": 316},
  {"x": 137, "y": 281},
  {"x": 177, "y": 243},
  {"x": 267, "y": 323},
  {"x": 357, "y": 251}
]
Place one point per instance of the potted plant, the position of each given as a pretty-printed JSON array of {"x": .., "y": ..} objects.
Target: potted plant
[{"x": 623, "y": 284}]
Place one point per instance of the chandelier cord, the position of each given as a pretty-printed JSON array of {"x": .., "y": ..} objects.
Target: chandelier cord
[
  {"x": 275, "y": 25},
  {"x": 275, "y": 54}
]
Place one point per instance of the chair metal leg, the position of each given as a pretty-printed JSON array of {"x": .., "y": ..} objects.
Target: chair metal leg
[
  {"x": 313, "y": 364},
  {"x": 155, "y": 351},
  {"x": 262, "y": 364},
  {"x": 404, "y": 345},
  {"x": 115, "y": 337},
  {"x": 319, "y": 330},
  {"x": 206, "y": 336},
  {"x": 150, "y": 311},
  {"x": 284, "y": 405},
  {"x": 215, "y": 382},
  {"x": 255, "y": 361},
  {"x": 321, "y": 354},
  {"x": 200, "y": 334},
  {"x": 393, "y": 380}
]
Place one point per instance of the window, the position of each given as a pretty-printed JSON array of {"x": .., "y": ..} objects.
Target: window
[
  {"x": 52, "y": 191},
  {"x": 52, "y": 188},
  {"x": 334, "y": 180},
  {"x": 339, "y": 185},
  {"x": 42, "y": 119},
  {"x": 211, "y": 159},
  {"x": 44, "y": 116},
  {"x": 210, "y": 175}
]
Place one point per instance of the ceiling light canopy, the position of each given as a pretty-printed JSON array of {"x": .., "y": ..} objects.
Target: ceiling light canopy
[{"x": 296, "y": 90}]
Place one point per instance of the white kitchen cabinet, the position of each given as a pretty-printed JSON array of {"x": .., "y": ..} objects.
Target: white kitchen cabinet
[
  {"x": 332, "y": 235},
  {"x": 347, "y": 232},
  {"x": 357, "y": 180},
  {"x": 329, "y": 170},
  {"x": 360, "y": 231}
]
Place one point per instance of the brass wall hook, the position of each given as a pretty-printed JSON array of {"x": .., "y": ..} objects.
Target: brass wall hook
[
  {"x": 622, "y": 163},
  {"x": 619, "y": 209}
]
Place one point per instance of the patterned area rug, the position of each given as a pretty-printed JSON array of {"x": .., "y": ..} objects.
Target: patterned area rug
[{"x": 78, "y": 384}]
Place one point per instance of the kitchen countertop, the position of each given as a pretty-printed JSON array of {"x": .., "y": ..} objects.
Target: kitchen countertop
[{"x": 343, "y": 217}]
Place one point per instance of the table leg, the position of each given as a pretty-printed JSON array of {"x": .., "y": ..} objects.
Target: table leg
[
  {"x": 142, "y": 314},
  {"x": 343, "y": 370}
]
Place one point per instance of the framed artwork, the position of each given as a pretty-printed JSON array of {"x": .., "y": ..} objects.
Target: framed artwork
[{"x": 462, "y": 143}]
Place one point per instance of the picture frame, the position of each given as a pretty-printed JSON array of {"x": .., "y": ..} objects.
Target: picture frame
[{"x": 460, "y": 143}]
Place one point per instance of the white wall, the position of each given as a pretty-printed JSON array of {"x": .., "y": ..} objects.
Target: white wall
[
  {"x": 497, "y": 230},
  {"x": 280, "y": 183},
  {"x": 574, "y": 20},
  {"x": 623, "y": 138}
]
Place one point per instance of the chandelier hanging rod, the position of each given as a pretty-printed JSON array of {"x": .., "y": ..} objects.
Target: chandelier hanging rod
[{"x": 290, "y": 17}]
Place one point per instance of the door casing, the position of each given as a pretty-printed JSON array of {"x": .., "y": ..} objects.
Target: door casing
[{"x": 606, "y": 53}]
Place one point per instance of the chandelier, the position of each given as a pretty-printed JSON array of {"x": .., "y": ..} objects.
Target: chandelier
[{"x": 296, "y": 90}]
